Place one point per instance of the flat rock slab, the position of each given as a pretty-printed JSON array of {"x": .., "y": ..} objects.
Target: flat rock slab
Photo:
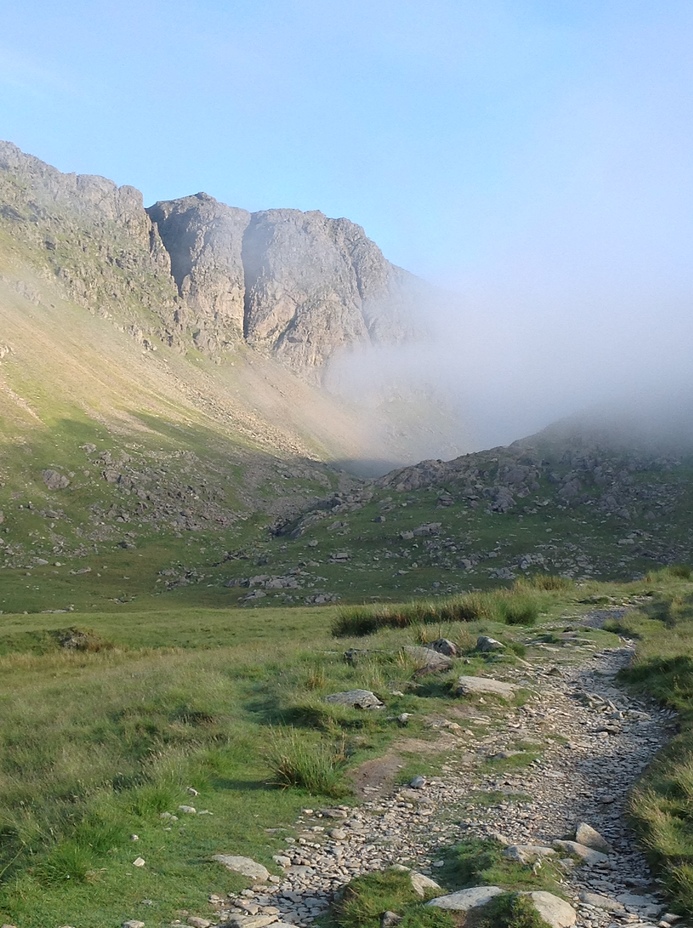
[
  {"x": 243, "y": 865},
  {"x": 588, "y": 854},
  {"x": 466, "y": 899},
  {"x": 555, "y": 911},
  {"x": 602, "y": 902},
  {"x": 357, "y": 699},
  {"x": 646, "y": 906},
  {"x": 470, "y": 686},
  {"x": 527, "y": 853},
  {"x": 251, "y": 921}
]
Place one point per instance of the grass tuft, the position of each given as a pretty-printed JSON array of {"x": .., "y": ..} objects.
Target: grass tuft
[{"x": 316, "y": 766}]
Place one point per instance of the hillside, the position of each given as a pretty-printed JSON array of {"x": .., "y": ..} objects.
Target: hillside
[{"x": 156, "y": 385}]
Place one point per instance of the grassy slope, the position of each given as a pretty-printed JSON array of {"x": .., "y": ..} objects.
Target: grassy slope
[
  {"x": 661, "y": 806},
  {"x": 95, "y": 744}
]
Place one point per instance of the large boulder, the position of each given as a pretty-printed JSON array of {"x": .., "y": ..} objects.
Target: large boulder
[
  {"x": 55, "y": 480},
  {"x": 527, "y": 853},
  {"x": 444, "y": 646},
  {"x": 556, "y": 912},
  {"x": 587, "y": 854},
  {"x": 590, "y": 837}
]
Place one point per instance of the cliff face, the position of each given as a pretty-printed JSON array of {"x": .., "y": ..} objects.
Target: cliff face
[
  {"x": 204, "y": 241},
  {"x": 296, "y": 286}
]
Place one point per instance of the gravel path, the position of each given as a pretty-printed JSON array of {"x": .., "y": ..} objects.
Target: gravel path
[{"x": 593, "y": 741}]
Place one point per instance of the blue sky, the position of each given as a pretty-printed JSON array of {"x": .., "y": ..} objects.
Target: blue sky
[
  {"x": 536, "y": 155},
  {"x": 450, "y": 130}
]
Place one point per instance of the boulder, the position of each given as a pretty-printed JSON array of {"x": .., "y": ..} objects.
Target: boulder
[
  {"x": 471, "y": 686},
  {"x": 427, "y": 660},
  {"x": 602, "y": 902},
  {"x": 590, "y": 837},
  {"x": 444, "y": 646},
  {"x": 243, "y": 865},
  {"x": 486, "y": 644},
  {"x": 55, "y": 480},
  {"x": 527, "y": 853},
  {"x": 422, "y": 884},
  {"x": 357, "y": 699},
  {"x": 555, "y": 911},
  {"x": 587, "y": 854}
]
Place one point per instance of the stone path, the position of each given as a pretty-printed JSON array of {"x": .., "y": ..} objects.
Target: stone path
[{"x": 594, "y": 742}]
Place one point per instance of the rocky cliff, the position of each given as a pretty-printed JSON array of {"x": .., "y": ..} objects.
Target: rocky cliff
[{"x": 297, "y": 286}]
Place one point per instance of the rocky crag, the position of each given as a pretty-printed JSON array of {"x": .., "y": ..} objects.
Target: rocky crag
[{"x": 297, "y": 286}]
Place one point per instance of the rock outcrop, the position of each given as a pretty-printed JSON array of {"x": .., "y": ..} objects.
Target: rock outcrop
[{"x": 298, "y": 286}]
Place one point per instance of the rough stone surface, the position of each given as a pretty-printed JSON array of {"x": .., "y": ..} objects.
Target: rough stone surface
[
  {"x": 444, "y": 646},
  {"x": 555, "y": 911},
  {"x": 421, "y": 884},
  {"x": 527, "y": 853},
  {"x": 590, "y": 837},
  {"x": 243, "y": 865},
  {"x": 428, "y": 660},
  {"x": 587, "y": 854},
  {"x": 296, "y": 284},
  {"x": 602, "y": 902},
  {"x": 471, "y": 686},
  {"x": 466, "y": 899},
  {"x": 55, "y": 480},
  {"x": 357, "y": 699}
]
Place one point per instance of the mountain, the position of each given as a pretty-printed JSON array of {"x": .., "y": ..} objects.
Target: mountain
[
  {"x": 164, "y": 408},
  {"x": 296, "y": 286},
  {"x": 161, "y": 370}
]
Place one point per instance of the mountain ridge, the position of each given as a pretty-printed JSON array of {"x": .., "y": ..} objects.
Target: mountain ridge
[{"x": 298, "y": 286}]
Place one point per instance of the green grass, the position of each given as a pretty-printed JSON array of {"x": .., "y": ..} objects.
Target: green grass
[
  {"x": 661, "y": 804},
  {"x": 510, "y": 910},
  {"x": 98, "y": 740},
  {"x": 519, "y": 606},
  {"x": 365, "y": 898},
  {"x": 96, "y": 743},
  {"x": 472, "y": 862},
  {"x": 480, "y": 862},
  {"x": 317, "y": 767}
]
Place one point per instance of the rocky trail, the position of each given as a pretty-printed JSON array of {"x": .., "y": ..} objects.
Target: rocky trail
[{"x": 590, "y": 741}]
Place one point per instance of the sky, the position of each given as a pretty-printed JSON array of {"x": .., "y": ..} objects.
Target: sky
[{"x": 533, "y": 156}]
